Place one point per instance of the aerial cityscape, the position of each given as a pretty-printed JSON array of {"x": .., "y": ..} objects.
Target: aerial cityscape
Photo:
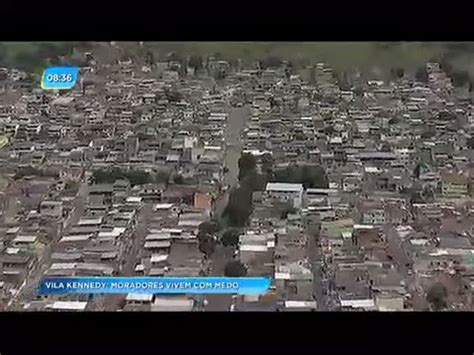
[{"x": 351, "y": 189}]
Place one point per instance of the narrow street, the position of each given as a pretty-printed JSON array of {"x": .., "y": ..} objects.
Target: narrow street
[
  {"x": 319, "y": 283},
  {"x": 29, "y": 288}
]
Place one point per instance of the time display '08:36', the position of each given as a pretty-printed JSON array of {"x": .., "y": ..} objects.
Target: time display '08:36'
[{"x": 59, "y": 78}]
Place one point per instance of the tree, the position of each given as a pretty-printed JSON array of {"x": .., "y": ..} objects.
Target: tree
[
  {"x": 311, "y": 176},
  {"x": 149, "y": 58},
  {"x": 460, "y": 77},
  {"x": 247, "y": 165},
  {"x": 231, "y": 237},
  {"x": 397, "y": 73},
  {"x": 239, "y": 207},
  {"x": 162, "y": 177},
  {"x": 209, "y": 228},
  {"x": 195, "y": 62},
  {"x": 267, "y": 165},
  {"x": 207, "y": 245},
  {"x": 416, "y": 197},
  {"x": 428, "y": 134},
  {"x": 178, "y": 179},
  {"x": 394, "y": 120},
  {"x": 421, "y": 74},
  {"x": 254, "y": 181},
  {"x": 235, "y": 269},
  {"x": 136, "y": 177},
  {"x": 358, "y": 91},
  {"x": 437, "y": 296},
  {"x": 385, "y": 147},
  {"x": 470, "y": 142},
  {"x": 270, "y": 62}
]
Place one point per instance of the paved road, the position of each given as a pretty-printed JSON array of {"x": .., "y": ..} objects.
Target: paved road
[
  {"x": 236, "y": 123},
  {"x": 219, "y": 303}
]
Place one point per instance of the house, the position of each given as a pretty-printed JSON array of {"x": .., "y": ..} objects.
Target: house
[
  {"x": 172, "y": 304},
  {"x": 203, "y": 201},
  {"x": 285, "y": 192},
  {"x": 372, "y": 212},
  {"x": 455, "y": 185}
]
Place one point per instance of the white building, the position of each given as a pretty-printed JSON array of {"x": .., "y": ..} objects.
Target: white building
[
  {"x": 403, "y": 155},
  {"x": 289, "y": 192}
]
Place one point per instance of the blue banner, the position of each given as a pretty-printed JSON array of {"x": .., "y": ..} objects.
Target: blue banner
[
  {"x": 59, "y": 78},
  {"x": 155, "y": 285}
]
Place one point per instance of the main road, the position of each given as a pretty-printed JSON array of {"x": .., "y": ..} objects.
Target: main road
[{"x": 235, "y": 124}]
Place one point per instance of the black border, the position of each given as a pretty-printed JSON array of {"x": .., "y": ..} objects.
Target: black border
[{"x": 242, "y": 333}]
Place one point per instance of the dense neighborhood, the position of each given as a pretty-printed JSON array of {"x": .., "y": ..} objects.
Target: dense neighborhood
[{"x": 350, "y": 194}]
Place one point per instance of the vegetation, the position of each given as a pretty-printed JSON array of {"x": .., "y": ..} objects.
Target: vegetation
[
  {"x": 311, "y": 176},
  {"x": 34, "y": 57},
  {"x": 470, "y": 142},
  {"x": 196, "y": 62},
  {"x": 239, "y": 207},
  {"x": 421, "y": 74},
  {"x": 437, "y": 297},
  {"x": 71, "y": 185},
  {"x": 206, "y": 238},
  {"x": 247, "y": 165},
  {"x": 231, "y": 237},
  {"x": 136, "y": 177},
  {"x": 210, "y": 227},
  {"x": 31, "y": 171},
  {"x": 235, "y": 269},
  {"x": 207, "y": 245},
  {"x": 289, "y": 209},
  {"x": 178, "y": 179}
]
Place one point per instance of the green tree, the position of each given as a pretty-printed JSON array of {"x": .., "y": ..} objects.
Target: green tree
[
  {"x": 385, "y": 147},
  {"x": 271, "y": 62},
  {"x": 254, "y": 181},
  {"x": 247, "y": 165},
  {"x": 231, "y": 237},
  {"x": 235, "y": 269},
  {"x": 358, "y": 91},
  {"x": 195, "y": 61},
  {"x": 209, "y": 227},
  {"x": 207, "y": 245},
  {"x": 149, "y": 58},
  {"x": 267, "y": 165},
  {"x": 421, "y": 74},
  {"x": 397, "y": 73},
  {"x": 470, "y": 142},
  {"x": 136, "y": 177},
  {"x": 437, "y": 296},
  {"x": 239, "y": 207},
  {"x": 460, "y": 77},
  {"x": 178, "y": 179},
  {"x": 311, "y": 176}
]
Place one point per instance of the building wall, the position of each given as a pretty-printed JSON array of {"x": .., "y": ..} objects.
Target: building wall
[
  {"x": 450, "y": 189},
  {"x": 374, "y": 217},
  {"x": 295, "y": 198}
]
